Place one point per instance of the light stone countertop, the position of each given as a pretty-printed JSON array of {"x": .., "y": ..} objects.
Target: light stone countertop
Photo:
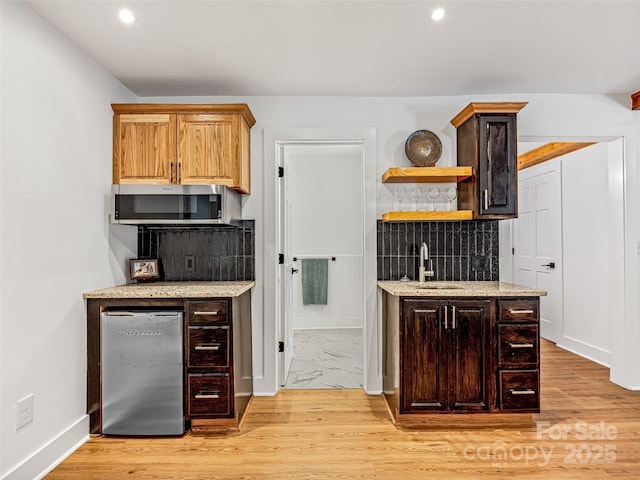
[
  {"x": 173, "y": 290},
  {"x": 458, "y": 289}
]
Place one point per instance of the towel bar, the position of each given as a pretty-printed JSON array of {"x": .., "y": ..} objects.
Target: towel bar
[{"x": 333, "y": 259}]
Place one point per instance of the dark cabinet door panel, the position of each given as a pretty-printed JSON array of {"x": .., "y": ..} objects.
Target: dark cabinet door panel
[
  {"x": 497, "y": 174},
  {"x": 423, "y": 358},
  {"x": 470, "y": 355}
]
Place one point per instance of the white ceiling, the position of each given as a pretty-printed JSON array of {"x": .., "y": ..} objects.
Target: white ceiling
[{"x": 359, "y": 48}]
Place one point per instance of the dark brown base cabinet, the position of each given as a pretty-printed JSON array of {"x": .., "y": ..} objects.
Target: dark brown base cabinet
[
  {"x": 445, "y": 355},
  {"x": 460, "y": 355},
  {"x": 218, "y": 375}
]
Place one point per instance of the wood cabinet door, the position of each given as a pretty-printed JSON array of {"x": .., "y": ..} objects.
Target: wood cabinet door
[
  {"x": 469, "y": 361},
  {"x": 424, "y": 351},
  {"x": 208, "y": 149},
  {"x": 497, "y": 170},
  {"x": 144, "y": 148}
]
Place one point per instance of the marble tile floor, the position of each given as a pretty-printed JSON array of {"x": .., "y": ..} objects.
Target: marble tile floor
[{"x": 326, "y": 358}]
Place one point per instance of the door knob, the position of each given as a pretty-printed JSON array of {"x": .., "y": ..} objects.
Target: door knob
[
  {"x": 550, "y": 265},
  {"x": 293, "y": 270}
]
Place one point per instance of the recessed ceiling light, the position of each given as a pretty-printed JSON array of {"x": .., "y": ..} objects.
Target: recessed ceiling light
[
  {"x": 126, "y": 16},
  {"x": 438, "y": 14}
]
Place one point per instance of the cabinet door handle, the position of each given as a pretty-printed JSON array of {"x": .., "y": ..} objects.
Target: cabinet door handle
[
  {"x": 170, "y": 172},
  {"x": 527, "y": 391},
  {"x": 446, "y": 318},
  {"x": 520, "y": 312},
  {"x": 486, "y": 198},
  {"x": 453, "y": 318},
  {"x": 178, "y": 173},
  {"x": 197, "y": 314},
  {"x": 521, "y": 345},
  {"x": 207, "y": 395},
  {"x": 208, "y": 346}
]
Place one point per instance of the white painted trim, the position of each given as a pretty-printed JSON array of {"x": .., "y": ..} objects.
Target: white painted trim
[
  {"x": 624, "y": 320},
  {"x": 44, "y": 460},
  {"x": 592, "y": 352},
  {"x": 371, "y": 324},
  {"x": 328, "y": 328}
]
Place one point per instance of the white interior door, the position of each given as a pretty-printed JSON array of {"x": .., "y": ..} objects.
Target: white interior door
[
  {"x": 538, "y": 241},
  {"x": 285, "y": 277}
]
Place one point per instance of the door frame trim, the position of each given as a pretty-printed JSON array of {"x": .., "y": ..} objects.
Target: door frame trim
[{"x": 272, "y": 141}]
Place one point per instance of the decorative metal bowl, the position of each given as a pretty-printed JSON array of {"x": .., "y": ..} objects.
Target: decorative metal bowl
[{"x": 423, "y": 148}]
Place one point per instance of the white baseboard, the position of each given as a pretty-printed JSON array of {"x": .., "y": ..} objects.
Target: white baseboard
[
  {"x": 44, "y": 460},
  {"x": 358, "y": 327},
  {"x": 590, "y": 352}
]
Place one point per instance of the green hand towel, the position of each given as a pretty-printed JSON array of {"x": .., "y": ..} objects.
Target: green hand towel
[{"x": 315, "y": 279}]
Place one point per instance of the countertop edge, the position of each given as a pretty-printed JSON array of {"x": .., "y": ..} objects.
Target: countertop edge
[
  {"x": 469, "y": 290},
  {"x": 172, "y": 290}
]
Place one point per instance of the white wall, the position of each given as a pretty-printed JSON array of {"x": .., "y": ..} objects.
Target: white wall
[
  {"x": 55, "y": 174},
  {"x": 585, "y": 253}
]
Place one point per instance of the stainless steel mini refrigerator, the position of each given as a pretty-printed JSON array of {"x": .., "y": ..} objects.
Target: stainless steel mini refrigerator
[{"x": 142, "y": 360}]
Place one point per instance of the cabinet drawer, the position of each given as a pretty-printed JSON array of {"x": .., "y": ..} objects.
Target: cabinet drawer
[
  {"x": 519, "y": 390},
  {"x": 208, "y": 346},
  {"x": 521, "y": 310},
  {"x": 207, "y": 311},
  {"x": 518, "y": 344},
  {"x": 209, "y": 394}
]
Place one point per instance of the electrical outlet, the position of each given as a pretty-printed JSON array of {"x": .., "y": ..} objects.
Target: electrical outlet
[
  {"x": 189, "y": 263},
  {"x": 479, "y": 263},
  {"x": 24, "y": 412}
]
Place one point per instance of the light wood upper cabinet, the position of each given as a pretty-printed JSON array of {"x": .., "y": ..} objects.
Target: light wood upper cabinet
[
  {"x": 144, "y": 148},
  {"x": 182, "y": 143}
]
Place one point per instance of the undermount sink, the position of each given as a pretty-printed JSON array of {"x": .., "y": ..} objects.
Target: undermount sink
[{"x": 440, "y": 286}]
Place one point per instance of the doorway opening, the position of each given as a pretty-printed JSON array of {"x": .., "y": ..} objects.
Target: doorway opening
[
  {"x": 321, "y": 278},
  {"x": 568, "y": 240}
]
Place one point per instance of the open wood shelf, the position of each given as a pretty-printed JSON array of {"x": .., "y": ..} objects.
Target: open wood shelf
[
  {"x": 425, "y": 216},
  {"x": 426, "y": 174}
]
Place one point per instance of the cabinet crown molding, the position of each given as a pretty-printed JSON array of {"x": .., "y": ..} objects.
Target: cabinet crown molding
[
  {"x": 486, "y": 107},
  {"x": 186, "y": 109}
]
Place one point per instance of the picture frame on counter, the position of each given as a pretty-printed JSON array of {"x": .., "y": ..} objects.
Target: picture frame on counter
[{"x": 144, "y": 268}]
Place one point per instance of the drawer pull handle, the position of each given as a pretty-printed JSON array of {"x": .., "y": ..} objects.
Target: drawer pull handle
[
  {"x": 208, "y": 346},
  {"x": 520, "y": 312},
  {"x": 205, "y": 395},
  {"x": 528, "y": 391},
  {"x": 206, "y": 313},
  {"x": 521, "y": 345}
]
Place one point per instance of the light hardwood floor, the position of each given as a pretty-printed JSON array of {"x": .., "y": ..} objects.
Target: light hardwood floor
[{"x": 592, "y": 432}]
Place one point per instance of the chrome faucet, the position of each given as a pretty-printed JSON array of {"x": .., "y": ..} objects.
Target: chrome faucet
[{"x": 424, "y": 259}]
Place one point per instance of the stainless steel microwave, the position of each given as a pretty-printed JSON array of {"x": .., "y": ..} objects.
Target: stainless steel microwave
[{"x": 174, "y": 204}]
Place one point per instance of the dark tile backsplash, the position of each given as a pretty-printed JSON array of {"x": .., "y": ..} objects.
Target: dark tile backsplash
[
  {"x": 466, "y": 251},
  {"x": 201, "y": 253}
]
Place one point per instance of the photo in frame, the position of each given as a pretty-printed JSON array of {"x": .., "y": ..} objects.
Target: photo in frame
[{"x": 143, "y": 268}]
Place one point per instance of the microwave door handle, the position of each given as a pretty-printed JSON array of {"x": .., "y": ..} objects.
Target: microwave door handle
[{"x": 181, "y": 205}]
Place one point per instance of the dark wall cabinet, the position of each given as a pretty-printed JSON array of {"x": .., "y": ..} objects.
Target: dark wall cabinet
[
  {"x": 487, "y": 142},
  {"x": 445, "y": 355}
]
